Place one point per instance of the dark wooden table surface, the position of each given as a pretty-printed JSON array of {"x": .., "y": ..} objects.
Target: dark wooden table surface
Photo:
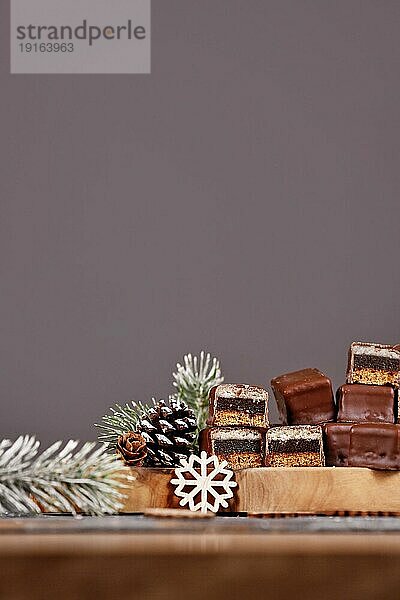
[{"x": 224, "y": 557}]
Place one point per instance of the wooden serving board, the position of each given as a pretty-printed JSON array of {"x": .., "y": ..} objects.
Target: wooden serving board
[{"x": 318, "y": 490}]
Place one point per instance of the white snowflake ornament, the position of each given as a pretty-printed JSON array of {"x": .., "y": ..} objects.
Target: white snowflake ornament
[{"x": 201, "y": 488}]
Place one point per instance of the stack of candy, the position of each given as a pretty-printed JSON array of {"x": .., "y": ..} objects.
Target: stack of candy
[
  {"x": 366, "y": 433},
  {"x": 305, "y": 402},
  {"x": 237, "y": 423}
]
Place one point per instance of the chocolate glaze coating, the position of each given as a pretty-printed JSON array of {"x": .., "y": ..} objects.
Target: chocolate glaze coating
[
  {"x": 375, "y": 445},
  {"x": 337, "y": 444},
  {"x": 304, "y": 397},
  {"x": 358, "y": 403}
]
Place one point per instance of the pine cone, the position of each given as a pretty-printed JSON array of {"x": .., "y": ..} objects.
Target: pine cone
[
  {"x": 169, "y": 432},
  {"x": 132, "y": 448}
]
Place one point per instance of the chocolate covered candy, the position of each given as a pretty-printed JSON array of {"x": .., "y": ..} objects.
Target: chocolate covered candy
[
  {"x": 296, "y": 446},
  {"x": 304, "y": 397},
  {"x": 375, "y": 445},
  {"x": 238, "y": 404},
  {"x": 373, "y": 364},
  {"x": 358, "y": 403},
  {"x": 241, "y": 447},
  {"x": 337, "y": 444}
]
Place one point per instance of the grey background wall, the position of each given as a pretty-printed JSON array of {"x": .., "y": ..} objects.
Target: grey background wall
[{"x": 243, "y": 198}]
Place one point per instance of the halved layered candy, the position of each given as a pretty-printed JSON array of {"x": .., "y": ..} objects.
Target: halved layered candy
[
  {"x": 295, "y": 446},
  {"x": 238, "y": 404},
  {"x": 241, "y": 447},
  {"x": 373, "y": 364}
]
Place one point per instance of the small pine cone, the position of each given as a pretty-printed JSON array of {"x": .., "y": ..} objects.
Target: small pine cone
[
  {"x": 132, "y": 448},
  {"x": 169, "y": 431}
]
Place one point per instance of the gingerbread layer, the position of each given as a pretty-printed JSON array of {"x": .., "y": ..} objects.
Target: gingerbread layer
[
  {"x": 294, "y": 459},
  {"x": 242, "y": 460}
]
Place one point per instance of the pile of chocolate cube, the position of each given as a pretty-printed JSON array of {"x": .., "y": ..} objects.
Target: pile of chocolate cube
[
  {"x": 366, "y": 432},
  {"x": 359, "y": 429}
]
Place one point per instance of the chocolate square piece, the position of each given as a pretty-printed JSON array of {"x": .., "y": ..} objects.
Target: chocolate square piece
[
  {"x": 304, "y": 397},
  {"x": 373, "y": 364},
  {"x": 375, "y": 445},
  {"x": 241, "y": 447},
  {"x": 297, "y": 446},
  {"x": 358, "y": 403},
  {"x": 337, "y": 444},
  {"x": 238, "y": 404}
]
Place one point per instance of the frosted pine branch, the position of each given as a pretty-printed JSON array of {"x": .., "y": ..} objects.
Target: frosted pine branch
[
  {"x": 61, "y": 479},
  {"x": 121, "y": 420},
  {"x": 193, "y": 381}
]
